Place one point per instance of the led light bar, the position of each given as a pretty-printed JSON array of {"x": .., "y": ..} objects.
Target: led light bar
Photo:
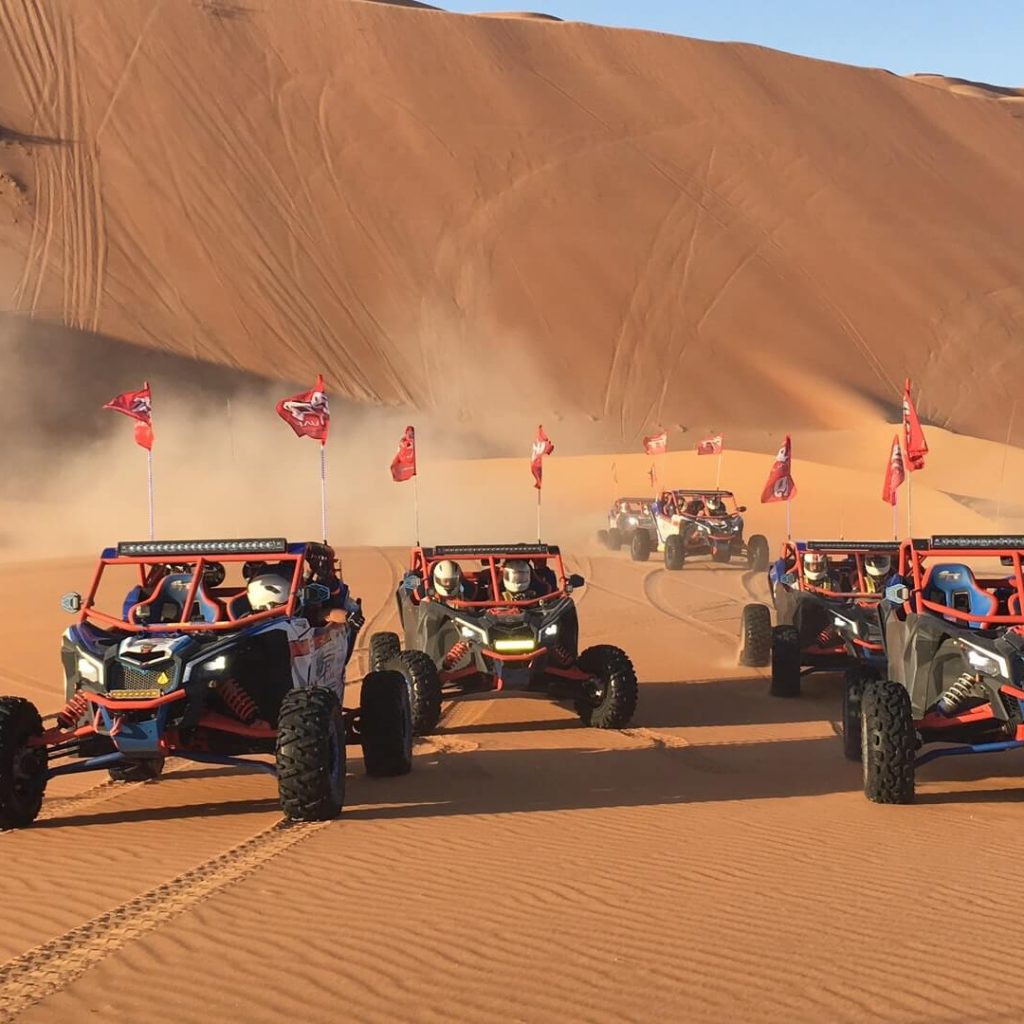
[
  {"x": 515, "y": 645},
  {"x": 163, "y": 548},
  {"x": 993, "y": 542},
  {"x": 485, "y": 550},
  {"x": 702, "y": 492},
  {"x": 852, "y": 546}
]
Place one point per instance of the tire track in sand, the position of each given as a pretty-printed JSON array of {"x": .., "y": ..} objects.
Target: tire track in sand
[{"x": 40, "y": 972}]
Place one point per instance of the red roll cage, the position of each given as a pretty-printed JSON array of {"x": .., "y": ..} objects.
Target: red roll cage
[{"x": 858, "y": 551}]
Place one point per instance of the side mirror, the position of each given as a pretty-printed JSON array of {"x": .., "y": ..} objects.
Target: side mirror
[
  {"x": 788, "y": 579},
  {"x": 72, "y": 602},
  {"x": 898, "y": 593},
  {"x": 575, "y": 581},
  {"x": 315, "y": 593},
  {"x": 1006, "y": 559},
  {"x": 741, "y": 508}
]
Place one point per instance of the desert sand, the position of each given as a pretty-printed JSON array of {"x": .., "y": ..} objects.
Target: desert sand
[{"x": 472, "y": 224}]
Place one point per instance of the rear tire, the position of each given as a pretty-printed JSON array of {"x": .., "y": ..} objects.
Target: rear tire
[
  {"x": 311, "y": 755},
  {"x": 640, "y": 546},
  {"x": 723, "y": 553},
  {"x": 854, "y": 682},
  {"x": 615, "y": 539},
  {"x": 424, "y": 684},
  {"x": 757, "y": 553},
  {"x": 785, "y": 662},
  {"x": 602, "y": 537},
  {"x": 386, "y": 724},
  {"x": 383, "y": 647},
  {"x": 888, "y": 743},
  {"x": 675, "y": 552},
  {"x": 610, "y": 703},
  {"x": 138, "y": 771},
  {"x": 22, "y": 768},
  {"x": 756, "y": 636}
]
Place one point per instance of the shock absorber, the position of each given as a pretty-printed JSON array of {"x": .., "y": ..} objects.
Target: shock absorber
[
  {"x": 957, "y": 694},
  {"x": 455, "y": 655},
  {"x": 560, "y": 655},
  {"x": 241, "y": 705},
  {"x": 70, "y": 714},
  {"x": 827, "y": 637}
]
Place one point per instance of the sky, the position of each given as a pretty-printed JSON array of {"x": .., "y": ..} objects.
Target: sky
[{"x": 976, "y": 39}]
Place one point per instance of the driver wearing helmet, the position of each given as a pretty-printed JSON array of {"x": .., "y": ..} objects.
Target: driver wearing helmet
[
  {"x": 715, "y": 507},
  {"x": 449, "y": 583},
  {"x": 816, "y": 571},
  {"x": 518, "y": 582},
  {"x": 876, "y": 571},
  {"x": 268, "y": 590}
]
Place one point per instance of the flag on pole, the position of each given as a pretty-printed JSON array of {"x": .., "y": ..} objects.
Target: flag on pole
[
  {"x": 711, "y": 445},
  {"x": 403, "y": 465},
  {"x": 139, "y": 406},
  {"x": 913, "y": 435},
  {"x": 308, "y": 413},
  {"x": 780, "y": 485},
  {"x": 895, "y": 474},
  {"x": 541, "y": 447},
  {"x": 656, "y": 444},
  {"x": 652, "y": 476}
]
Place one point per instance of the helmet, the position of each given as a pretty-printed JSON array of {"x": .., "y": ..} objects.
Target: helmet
[
  {"x": 269, "y": 591},
  {"x": 447, "y": 578},
  {"x": 815, "y": 566},
  {"x": 715, "y": 506},
  {"x": 877, "y": 565},
  {"x": 516, "y": 576}
]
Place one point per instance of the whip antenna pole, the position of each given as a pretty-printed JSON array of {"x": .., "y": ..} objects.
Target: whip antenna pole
[{"x": 323, "y": 488}]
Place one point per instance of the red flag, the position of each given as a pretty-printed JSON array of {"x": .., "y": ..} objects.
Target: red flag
[
  {"x": 403, "y": 465},
  {"x": 894, "y": 472},
  {"x": 656, "y": 444},
  {"x": 139, "y": 406},
  {"x": 913, "y": 435},
  {"x": 780, "y": 485},
  {"x": 711, "y": 445},
  {"x": 541, "y": 447},
  {"x": 307, "y": 413}
]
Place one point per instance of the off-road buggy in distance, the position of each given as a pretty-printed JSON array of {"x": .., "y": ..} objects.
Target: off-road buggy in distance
[
  {"x": 689, "y": 523},
  {"x": 486, "y": 640},
  {"x": 168, "y": 657},
  {"x": 626, "y": 517},
  {"x": 953, "y": 628},
  {"x": 826, "y": 624}
]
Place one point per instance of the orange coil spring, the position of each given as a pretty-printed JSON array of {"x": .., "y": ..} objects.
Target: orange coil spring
[
  {"x": 73, "y": 710},
  {"x": 455, "y": 655},
  {"x": 560, "y": 655},
  {"x": 827, "y": 637},
  {"x": 238, "y": 701}
]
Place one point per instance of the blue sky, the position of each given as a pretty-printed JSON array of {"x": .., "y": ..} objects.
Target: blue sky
[{"x": 976, "y": 39}]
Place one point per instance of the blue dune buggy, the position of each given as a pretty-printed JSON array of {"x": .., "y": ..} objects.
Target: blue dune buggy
[{"x": 185, "y": 666}]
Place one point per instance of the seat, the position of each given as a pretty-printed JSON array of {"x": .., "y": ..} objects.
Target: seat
[
  {"x": 165, "y": 604},
  {"x": 238, "y": 607},
  {"x": 953, "y": 584}
]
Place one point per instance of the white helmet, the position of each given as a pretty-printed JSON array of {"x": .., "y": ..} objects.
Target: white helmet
[
  {"x": 877, "y": 565},
  {"x": 447, "y": 578},
  {"x": 815, "y": 566},
  {"x": 269, "y": 591},
  {"x": 516, "y": 576}
]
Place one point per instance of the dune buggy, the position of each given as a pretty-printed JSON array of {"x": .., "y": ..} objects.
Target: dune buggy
[
  {"x": 626, "y": 517},
  {"x": 489, "y": 641},
  {"x": 693, "y": 522},
  {"x": 168, "y": 658},
  {"x": 953, "y": 627},
  {"x": 829, "y": 625}
]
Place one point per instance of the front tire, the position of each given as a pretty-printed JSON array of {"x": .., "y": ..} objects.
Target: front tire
[
  {"x": 22, "y": 768},
  {"x": 602, "y": 538},
  {"x": 785, "y": 662},
  {"x": 311, "y": 755},
  {"x": 424, "y": 684},
  {"x": 756, "y": 636},
  {"x": 138, "y": 771},
  {"x": 888, "y": 743},
  {"x": 640, "y": 546},
  {"x": 675, "y": 552},
  {"x": 615, "y": 539},
  {"x": 757, "y": 553},
  {"x": 383, "y": 647},
  {"x": 610, "y": 700},
  {"x": 386, "y": 724},
  {"x": 722, "y": 553}
]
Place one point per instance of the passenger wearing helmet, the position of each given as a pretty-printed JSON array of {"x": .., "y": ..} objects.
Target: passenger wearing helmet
[
  {"x": 715, "y": 507},
  {"x": 816, "y": 571},
  {"x": 449, "y": 583},
  {"x": 518, "y": 582},
  {"x": 876, "y": 571},
  {"x": 268, "y": 590}
]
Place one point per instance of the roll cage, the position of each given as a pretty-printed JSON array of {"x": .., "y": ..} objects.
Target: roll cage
[
  {"x": 847, "y": 556},
  {"x": 679, "y": 502},
  {"x": 487, "y": 573}
]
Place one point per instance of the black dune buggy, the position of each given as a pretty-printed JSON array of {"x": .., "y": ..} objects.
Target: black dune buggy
[
  {"x": 626, "y": 517},
  {"x": 168, "y": 658},
  {"x": 484, "y": 640},
  {"x": 831, "y": 626},
  {"x": 954, "y": 637},
  {"x": 690, "y": 523}
]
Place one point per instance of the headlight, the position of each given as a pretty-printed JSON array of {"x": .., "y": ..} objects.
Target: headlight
[
  {"x": 217, "y": 664},
  {"x": 842, "y": 623},
  {"x": 631, "y": 520},
  {"x": 985, "y": 661},
  {"x": 551, "y": 630},
  {"x": 89, "y": 670},
  {"x": 472, "y": 632}
]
